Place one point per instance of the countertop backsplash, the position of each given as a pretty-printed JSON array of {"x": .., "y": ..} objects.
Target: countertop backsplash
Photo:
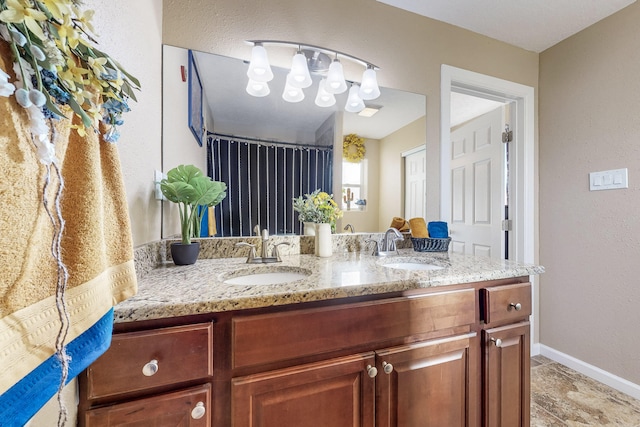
[{"x": 151, "y": 255}]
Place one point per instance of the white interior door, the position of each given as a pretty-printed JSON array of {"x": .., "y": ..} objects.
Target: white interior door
[
  {"x": 415, "y": 184},
  {"x": 477, "y": 186}
]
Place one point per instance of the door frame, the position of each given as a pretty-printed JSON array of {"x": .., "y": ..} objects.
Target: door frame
[{"x": 522, "y": 206}]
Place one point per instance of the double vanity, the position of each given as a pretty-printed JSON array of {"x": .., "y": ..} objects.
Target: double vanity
[{"x": 428, "y": 339}]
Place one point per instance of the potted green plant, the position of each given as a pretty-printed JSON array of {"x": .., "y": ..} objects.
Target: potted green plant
[{"x": 193, "y": 192}]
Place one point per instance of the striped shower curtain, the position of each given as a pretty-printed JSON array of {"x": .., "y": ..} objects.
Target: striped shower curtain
[{"x": 262, "y": 179}]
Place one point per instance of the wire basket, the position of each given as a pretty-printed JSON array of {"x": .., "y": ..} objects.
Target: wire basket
[{"x": 430, "y": 244}]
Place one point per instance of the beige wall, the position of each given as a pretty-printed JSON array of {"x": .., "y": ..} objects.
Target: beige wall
[
  {"x": 391, "y": 173},
  {"x": 131, "y": 32},
  {"x": 408, "y": 48},
  {"x": 181, "y": 146},
  {"x": 590, "y": 241}
]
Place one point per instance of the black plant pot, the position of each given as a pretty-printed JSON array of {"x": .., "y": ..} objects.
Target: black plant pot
[{"x": 185, "y": 254}]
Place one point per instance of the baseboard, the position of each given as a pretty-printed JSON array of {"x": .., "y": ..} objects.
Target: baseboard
[
  {"x": 535, "y": 349},
  {"x": 591, "y": 371}
]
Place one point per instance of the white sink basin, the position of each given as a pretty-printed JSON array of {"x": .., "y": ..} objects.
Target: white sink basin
[
  {"x": 253, "y": 278},
  {"x": 412, "y": 266}
]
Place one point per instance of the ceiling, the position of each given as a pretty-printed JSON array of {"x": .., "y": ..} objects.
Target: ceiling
[{"x": 533, "y": 25}]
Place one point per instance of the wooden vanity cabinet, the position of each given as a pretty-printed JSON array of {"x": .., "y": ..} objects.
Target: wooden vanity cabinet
[
  {"x": 444, "y": 356},
  {"x": 414, "y": 366},
  {"x": 506, "y": 355}
]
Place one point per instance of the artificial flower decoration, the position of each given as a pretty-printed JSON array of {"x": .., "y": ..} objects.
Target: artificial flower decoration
[
  {"x": 58, "y": 68},
  {"x": 318, "y": 207},
  {"x": 353, "y": 148}
]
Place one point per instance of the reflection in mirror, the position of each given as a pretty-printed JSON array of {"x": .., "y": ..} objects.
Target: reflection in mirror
[{"x": 269, "y": 151}]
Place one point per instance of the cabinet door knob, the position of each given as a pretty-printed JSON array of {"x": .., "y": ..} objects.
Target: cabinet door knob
[
  {"x": 517, "y": 306},
  {"x": 387, "y": 367},
  {"x": 198, "y": 411},
  {"x": 150, "y": 368},
  {"x": 372, "y": 371},
  {"x": 497, "y": 341}
]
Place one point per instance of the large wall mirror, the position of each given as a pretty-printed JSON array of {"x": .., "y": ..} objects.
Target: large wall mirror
[{"x": 389, "y": 182}]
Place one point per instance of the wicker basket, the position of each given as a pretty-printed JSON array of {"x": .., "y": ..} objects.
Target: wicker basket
[{"x": 430, "y": 245}]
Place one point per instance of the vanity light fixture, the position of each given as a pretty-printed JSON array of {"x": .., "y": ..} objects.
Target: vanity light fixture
[
  {"x": 335, "y": 78},
  {"x": 258, "y": 89},
  {"x": 369, "y": 87},
  {"x": 299, "y": 75},
  {"x": 310, "y": 59},
  {"x": 324, "y": 98},
  {"x": 259, "y": 68},
  {"x": 355, "y": 104},
  {"x": 292, "y": 93}
]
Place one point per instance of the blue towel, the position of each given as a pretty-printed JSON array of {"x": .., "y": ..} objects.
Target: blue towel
[{"x": 438, "y": 229}]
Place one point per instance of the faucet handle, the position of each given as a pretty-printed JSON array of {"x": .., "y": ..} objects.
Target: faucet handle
[
  {"x": 376, "y": 249},
  {"x": 252, "y": 252},
  {"x": 276, "y": 251}
]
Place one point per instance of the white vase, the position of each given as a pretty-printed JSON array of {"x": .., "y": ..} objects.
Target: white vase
[
  {"x": 324, "y": 245},
  {"x": 309, "y": 228}
]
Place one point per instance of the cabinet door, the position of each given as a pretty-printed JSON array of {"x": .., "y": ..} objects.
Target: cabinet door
[
  {"x": 507, "y": 376},
  {"x": 185, "y": 408},
  {"x": 336, "y": 393},
  {"x": 428, "y": 384}
]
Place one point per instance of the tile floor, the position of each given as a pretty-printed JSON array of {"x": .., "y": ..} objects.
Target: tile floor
[{"x": 561, "y": 396}]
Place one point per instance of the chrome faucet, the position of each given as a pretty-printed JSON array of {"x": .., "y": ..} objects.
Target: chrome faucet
[
  {"x": 387, "y": 246},
  {"x": 389, "y": 240},
  {"x": 264, "y": 252},
  {"x": 265, "y": 243},
  {"x": 349, "y": 226}
]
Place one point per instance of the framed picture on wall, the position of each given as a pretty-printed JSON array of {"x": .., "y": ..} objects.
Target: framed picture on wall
[{"x": 196, "y": 120}]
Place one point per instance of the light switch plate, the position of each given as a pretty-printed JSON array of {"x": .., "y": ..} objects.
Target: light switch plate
[
  {"x": 157, "y": 177},
  {"x": 609, "y": 180}
]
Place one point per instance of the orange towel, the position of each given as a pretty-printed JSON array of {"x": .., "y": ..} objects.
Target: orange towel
[
  {"x": 418, "y": 228},
  {"x": 399, "y": 224}
]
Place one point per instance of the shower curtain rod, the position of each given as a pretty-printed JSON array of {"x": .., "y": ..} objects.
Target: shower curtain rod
[{"x": 268, "y": 142}]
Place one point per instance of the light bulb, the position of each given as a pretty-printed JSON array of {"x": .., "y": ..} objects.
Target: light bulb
[
  {"x": 324, "y": 98},
  {"x": 259, "y": 68},
  {"x": 355, "y": 104},
  {"x": 335, "y": 78},
  {"x": 300, "y": 76},
  {"x": 369, "y": 87},
  {"x": 292, "y": 93},
  {"x": 258, "y": 89}
]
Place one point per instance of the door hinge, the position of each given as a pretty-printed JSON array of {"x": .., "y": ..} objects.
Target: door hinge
[
  {"x": 507, "y": 225},
  {"x": 507, "y": 135}
]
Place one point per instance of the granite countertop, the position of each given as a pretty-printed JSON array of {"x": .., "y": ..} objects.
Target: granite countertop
[{"x": 172, "y": 291}]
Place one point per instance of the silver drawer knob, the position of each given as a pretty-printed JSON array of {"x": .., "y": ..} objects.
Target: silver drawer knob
[
  {"x": 372, "y": 371},
  {"x": 517, "y": 306},
  {"x": 198, "y": 411},
  {"x": 497, "y": 341},
  {"x": 387, "y": 367},
  {"x": 150, "y": 368}
]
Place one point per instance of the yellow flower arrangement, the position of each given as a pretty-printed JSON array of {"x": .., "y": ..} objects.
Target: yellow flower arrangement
[
  {"x": 318, "y": 207},
  {"x": 353, "y": 148}
]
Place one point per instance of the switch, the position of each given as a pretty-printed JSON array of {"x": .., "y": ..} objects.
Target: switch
[
  {"x": 617, "y": 178},
  {"x": 157, "y": 177},
  {"x": 609, "y": 180}
]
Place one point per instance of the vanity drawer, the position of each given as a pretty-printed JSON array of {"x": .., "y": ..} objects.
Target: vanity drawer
[
  {"x": 267, "y": 338},
  {"x": 148, "y": 359},
  {"x": 189, "y": 408},
  {"x": 506, "y": 303}
]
